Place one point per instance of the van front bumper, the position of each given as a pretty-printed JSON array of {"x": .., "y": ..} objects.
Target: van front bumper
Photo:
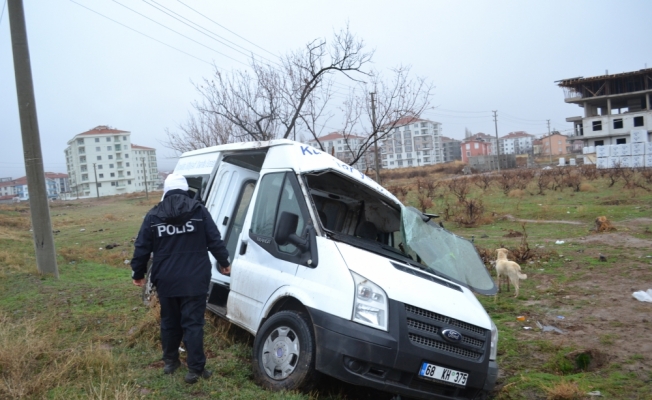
[{"x": 390, "y": 361}]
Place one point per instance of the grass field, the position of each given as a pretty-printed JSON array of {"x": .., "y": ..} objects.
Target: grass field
[{"x": 87, "y": 334}]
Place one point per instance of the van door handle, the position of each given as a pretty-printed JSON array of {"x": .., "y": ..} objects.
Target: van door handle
[
  {"x": 226, "y": 221},
  {"x": 243, "y": 248}
]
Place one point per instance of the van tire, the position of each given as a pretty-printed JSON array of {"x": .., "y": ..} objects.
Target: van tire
[
  {"x": 290, "y": 334},
  {"x": 149, "y": 291}
]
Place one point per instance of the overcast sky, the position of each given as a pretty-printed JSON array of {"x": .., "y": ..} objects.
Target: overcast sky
[{"x": 481, "y": 56}]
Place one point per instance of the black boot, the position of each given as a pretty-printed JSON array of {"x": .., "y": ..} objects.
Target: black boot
[
  {"x": 171, "y": 366},
  {"x": 193, "y": 376}
]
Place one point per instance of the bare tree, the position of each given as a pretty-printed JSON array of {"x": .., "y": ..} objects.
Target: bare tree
[
  {"x": 268, "y": 102},
  {"x": 398, "y": 100},
  {"x": 203, "y": 130}
]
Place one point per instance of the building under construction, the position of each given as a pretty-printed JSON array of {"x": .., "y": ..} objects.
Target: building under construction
[{"x": 614, "y": 106}]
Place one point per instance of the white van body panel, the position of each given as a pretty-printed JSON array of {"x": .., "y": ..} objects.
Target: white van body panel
[
  {"x": 416, "y": 291},
  {"x": 198, "y": 164}
]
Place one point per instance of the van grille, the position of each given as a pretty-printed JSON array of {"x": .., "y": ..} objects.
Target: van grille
[
  {"x": 444, "y": 347},
  {"x": 444, "y": 319},
  {"x": 424, "y": 328}
]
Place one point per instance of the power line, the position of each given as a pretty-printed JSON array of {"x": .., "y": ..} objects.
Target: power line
[
  {"x": 141, "y": 33},
  {"x": 178, "y": 33},
  {"x": 3, "y": 11}
]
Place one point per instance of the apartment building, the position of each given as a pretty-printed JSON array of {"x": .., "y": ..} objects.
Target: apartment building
[
  {"x": 104, "y": 162},
  {"x": 516, "y": 143},
  {"x": 554, "y": 144},
  {"x": 614, "y": 106},
  {"x": 346, "y": 148},
  {"x": 451, "y": 149},
  {"x": 411, "y": 142}
]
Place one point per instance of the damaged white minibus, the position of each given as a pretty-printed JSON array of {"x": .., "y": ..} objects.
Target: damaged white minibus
[{"x": 333, "y": 275}]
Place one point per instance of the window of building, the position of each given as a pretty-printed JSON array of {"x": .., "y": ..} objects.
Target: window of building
[
  {"x": 476, "y": 145},
  {"x": 112, "y": 183},
  {"x": 597, "y": 125},
  {"x": 84, "y": 177},
  {"x": 399, "y": 156},
  {"x": 128, "y": 182},
  {"x": 112, "y": 174},
  {"x": 468, "y": 146},
  {"x": 99, "y": 184},
  {"x": 598, "y": 143},
  {"x": 127, "y": 164},
  {"x": 391, "y": 163},
  {"x": 101, "y": 175},
  {"x": 97, "y": 140},
  {"x": 80, "y": 141},
  {"x": 110, "y": 165},
  {"x": 99, "y": 158},
  {"x": 618, "y": 123},
  {"x": 99, "y": 166},
  {"x": 621, "y": 141},
  {"x": 110, "y": 157},
  {"x": 128, "y": 172},
  {"x": 400, "y": 163},
  {"x": 108, "y": 139},
  {"x": 124, "y": 138},
  {"x": 82, "y": 159},
  {"x": 638, "y": 121},
  {"x": 468, "y": 154},
  {"x": 127, "y": 155}
]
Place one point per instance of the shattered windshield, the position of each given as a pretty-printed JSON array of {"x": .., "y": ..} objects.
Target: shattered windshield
[{"x": 443, "y": 252}]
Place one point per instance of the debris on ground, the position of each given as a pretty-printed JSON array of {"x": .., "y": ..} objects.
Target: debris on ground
[
  {"x": 559, "y": 242},
  {"x": 549, "y": 328},
  {"x": 111, "y": 246},
  {"x": 643, "y": 296},
  {"x": 602, "y": 257},
  {"x": 513, "y": 233}
]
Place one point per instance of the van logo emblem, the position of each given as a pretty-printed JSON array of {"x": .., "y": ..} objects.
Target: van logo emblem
[{"x": 451, "y": 335}]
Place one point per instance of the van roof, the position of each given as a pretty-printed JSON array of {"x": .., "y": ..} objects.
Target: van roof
[{"x": 284, "y": 153}]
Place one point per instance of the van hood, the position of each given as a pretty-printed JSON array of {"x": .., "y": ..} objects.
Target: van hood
[{"x": 412, "y": 286}]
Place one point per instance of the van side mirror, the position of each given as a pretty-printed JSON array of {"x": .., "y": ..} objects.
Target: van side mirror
[{"x": 285, "y": 229}]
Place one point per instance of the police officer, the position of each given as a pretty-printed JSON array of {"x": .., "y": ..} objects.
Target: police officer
[{"x": 179, "y": 231}]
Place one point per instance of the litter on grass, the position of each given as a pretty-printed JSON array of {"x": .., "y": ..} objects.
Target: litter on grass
[
  {"x": 643, "y": 296},
  {"x": 549, "y": 328},
  {"x": 559, "y": 242}
]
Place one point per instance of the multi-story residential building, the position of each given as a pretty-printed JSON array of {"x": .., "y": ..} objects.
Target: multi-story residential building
[
  {"x": 104, "y": 162},
  {"x": 555, "y": 141},
  {"x": 411, "y": 142},
  {"x": 482, "y": 137},
  {"x": 7, "y": 191},
  {"x": 451, "y": 149},
  {"x": 60, "y": 183},
  {"x": 346, "y": 148},
  {"x": 516, "y": 143},
  {"x": 474, "y": 147},
  {"x": 614, "y": 105}
]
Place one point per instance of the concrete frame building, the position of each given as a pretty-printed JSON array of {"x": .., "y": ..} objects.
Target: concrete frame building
[
  {"x": 412, "y": 142},
  {"x": 451, "y": 149},
  {"x": 104, "y": 161},
  {"x": 614, "y": 106},
  {"x": 345, "y": 148}
]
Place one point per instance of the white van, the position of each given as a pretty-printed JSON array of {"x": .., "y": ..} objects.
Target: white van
[{"x": 332, "y": 274}]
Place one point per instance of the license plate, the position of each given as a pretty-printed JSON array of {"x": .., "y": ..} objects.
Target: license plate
[{"x": 443, "y": 374}]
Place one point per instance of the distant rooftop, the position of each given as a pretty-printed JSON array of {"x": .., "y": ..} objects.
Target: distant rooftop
[{"x": 103, "y": 130}]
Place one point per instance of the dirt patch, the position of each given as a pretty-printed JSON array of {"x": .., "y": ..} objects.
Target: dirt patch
[
  {"x": 542, "y": 221},
  {"x": 615, "y": 240}
]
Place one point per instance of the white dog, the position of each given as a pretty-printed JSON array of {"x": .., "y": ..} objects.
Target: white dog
[{"x": 510, "y": 270}]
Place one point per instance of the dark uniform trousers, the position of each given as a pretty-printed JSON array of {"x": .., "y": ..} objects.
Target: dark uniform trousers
[{"x": 183, "y": 317}]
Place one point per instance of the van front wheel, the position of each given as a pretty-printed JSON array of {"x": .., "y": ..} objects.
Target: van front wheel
[{"x": 284, "y": 352}]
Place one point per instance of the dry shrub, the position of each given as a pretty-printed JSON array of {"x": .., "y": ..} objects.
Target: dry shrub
[
  {"x": 564, "y": 390},
  {"x": 602, "y": 224},
  {"x": 15, "y": 221},
  {"x": 110, "y": 217},
  {"x": 587, "y": 187},
  {"x": 424, "y": 202},
  {"x": 33, "y": 361},
  {"x": 469, "y": 213},
  {"x": 92, "y": 253},
  {"x": 149, "y": 327},
  {"x": 517, "y": 193},
  {"x": 399, "y": 191},
  {"x": 12, "y": 260}
]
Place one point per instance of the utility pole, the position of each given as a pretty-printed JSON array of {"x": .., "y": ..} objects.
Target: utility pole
[
  {"x": 549, "y": 141},
  {"x": 145, "y": 172},
  {"x": 97, "y": 189},
  {"x": 373, "y": 125},
  {"x": 46, "y": 258},
  {"x": 497, "y": 143}
]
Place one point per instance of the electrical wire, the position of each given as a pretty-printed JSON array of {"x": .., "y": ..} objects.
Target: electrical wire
[{"x": 141, "y": 33}]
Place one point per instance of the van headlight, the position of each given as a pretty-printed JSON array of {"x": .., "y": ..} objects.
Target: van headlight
[
  {"x": 369, "y": 303},
  {"x": 494, "y": 342}
]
